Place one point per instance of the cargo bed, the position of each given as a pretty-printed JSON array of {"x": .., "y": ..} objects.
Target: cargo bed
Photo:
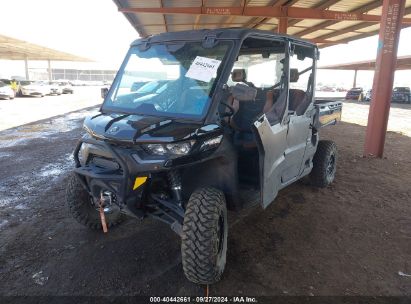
[{"x": 328, "y": 112}]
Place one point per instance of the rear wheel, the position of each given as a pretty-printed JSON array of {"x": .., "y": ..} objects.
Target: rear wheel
[
  {"x": 84, "y": 210},
  {"x": 324, "y": 164},
  {"x": 204, "y": 237}
]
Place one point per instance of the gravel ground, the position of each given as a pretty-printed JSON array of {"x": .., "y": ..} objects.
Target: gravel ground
[
  {"x": 400, "y": 116},
  {"x": 23, "y": 110},
  {"x": 353, "y": 238}
]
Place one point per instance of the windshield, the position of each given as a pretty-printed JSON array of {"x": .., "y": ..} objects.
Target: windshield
[{"x": 171, "y": 80}]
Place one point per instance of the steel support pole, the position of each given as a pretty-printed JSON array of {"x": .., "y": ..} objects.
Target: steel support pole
[
  {"x": 282, "y": 26},
  {"x": 26, "y": 68},
  {"x": 392, "y": 13},
  {"x": 354, "y": 84},
  {"x": 50, "y": 73}
]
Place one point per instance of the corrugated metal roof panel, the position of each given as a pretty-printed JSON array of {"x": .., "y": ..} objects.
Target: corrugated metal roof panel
[
  {"x": 153, "y": 23},
  {"x": 306, "y": 3},
  {"x": 342, "y": 25},
  {"x": 180, "y": 3},
  {"x": 260, "y": 2},
  {"x": 349, "y": 5},
  {"x": 344, "y": 36},
  {"x": 369, "y": 29},
  {"x": 317, "y": 34},
  {"x": 138, "y": 3}
]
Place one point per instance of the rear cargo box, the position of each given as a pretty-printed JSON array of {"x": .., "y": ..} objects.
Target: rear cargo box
[{"x": 328, "y": 112}]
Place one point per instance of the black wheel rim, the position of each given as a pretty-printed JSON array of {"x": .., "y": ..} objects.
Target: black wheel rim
[
  {"x": 331, "y": 166},
  {"x": 220, "y": 234}
]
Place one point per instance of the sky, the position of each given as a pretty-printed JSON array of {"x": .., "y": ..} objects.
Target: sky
[{"x": 96, "y": 30}]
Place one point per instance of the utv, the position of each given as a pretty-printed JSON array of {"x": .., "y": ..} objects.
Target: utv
[{"x": 233, "y": 122}]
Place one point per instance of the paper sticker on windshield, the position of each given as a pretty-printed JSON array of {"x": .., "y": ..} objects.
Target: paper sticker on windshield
[{"x": 203, "y": 68}]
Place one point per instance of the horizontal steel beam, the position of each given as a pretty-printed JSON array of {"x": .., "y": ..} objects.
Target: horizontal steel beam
[{"x": 263, "y": 11}]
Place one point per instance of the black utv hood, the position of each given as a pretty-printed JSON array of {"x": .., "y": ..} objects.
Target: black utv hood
[{"x": 144, "y": 129}]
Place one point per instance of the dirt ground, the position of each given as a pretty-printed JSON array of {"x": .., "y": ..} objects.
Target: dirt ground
[{"x": 353, "y": 238}]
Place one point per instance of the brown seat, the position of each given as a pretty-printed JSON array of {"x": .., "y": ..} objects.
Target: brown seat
[
  {"x": 296, "y": 99},
  {"x": 299, "y": 100}
]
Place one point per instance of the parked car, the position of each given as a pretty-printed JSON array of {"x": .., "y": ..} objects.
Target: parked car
[
  {"x": 31, "y": 88},
  {"x": 401, "y": 95},
  {"x": 66, "y": 87},
  {"x": 355, "y": 94},
  {"x": 367, "y": 96},
  {"x": 327, "y": 89},
  {"x": 5, "y": 91},
  {"x": 53, "y": 88},
  {"x": 13, "y": 84}
]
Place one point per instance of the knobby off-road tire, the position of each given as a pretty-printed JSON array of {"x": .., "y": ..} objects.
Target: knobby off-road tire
[
  {"x": 82, "y": 208},
  {"x": 324, "y": 164},
  {"x": 204, "y": 237}
]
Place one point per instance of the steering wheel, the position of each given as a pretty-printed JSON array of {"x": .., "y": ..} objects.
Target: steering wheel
[{"x": 230, "y": 113}]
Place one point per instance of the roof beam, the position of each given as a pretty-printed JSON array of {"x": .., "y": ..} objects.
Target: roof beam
[
  {"x": 363, "y": 35},
  {"x": 256, "y": 21},
  {"x": 198, "y": 17},
  {"x": 263, "y": 11},
  {"x": 277, "y": 3},
  {"x": 322, "y": 5},
  {"x": 363, "y": 9},
  {"x": 354, "y": 28},
  {"x": 164, "y": 17}
]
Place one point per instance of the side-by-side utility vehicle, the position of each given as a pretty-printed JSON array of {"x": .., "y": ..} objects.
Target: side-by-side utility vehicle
[{"x": 233, "y": 122}]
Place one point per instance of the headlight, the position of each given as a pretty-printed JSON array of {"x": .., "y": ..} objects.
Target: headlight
[
  {"x": 181, "y": 148},
  {"x": 83, "y": 153},
  {"x": 211, "y": 143}
]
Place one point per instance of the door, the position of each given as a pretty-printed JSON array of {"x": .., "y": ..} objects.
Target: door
[
  {"x": 299, "y": 110},
  {"x": 264, "y": 66},
  {"x": 298, "y": 136},
  {"x": 271, "y": 143}
]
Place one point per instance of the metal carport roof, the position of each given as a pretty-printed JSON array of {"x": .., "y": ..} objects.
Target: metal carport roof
[
  {"x": 326, "y": 22},
  {"x": 403, "y": 63},
  {"x": 15, "y": 49}
]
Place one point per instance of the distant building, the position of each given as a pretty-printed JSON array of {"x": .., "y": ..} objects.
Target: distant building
[{"x": 73, "y": 74}]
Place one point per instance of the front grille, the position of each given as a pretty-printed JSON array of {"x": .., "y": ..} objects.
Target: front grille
[{"x": 104, "y": 163}]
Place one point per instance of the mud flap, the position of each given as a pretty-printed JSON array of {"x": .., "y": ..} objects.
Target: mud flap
[{"x": 271, "y": 143}]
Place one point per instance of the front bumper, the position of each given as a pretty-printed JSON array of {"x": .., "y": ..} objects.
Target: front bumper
[
  {"x": 398, "y": 98},
  {"x": 133, "y": 197},
  {"x": 2, "y": 96},
  {"x": 32, "y": 93},
  {"x": 121, "y": 180}
]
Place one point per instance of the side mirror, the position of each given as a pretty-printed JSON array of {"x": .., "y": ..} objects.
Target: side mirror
[
  {"x": 104, "y": 92},
  {"x": 243, "y": 92}
]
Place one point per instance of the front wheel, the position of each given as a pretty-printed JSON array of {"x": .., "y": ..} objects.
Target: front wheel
[
  {"x": 204, "y": 237},
  {"x": 84, "y": 210},
  {"x": 324, "y": 164}
]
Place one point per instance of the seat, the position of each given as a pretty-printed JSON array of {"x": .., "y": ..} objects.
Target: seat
[
  {"x": 298, "y": 99},
  {"x": 240, "y": 75},
  {"x": 246, "y": 112}
]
